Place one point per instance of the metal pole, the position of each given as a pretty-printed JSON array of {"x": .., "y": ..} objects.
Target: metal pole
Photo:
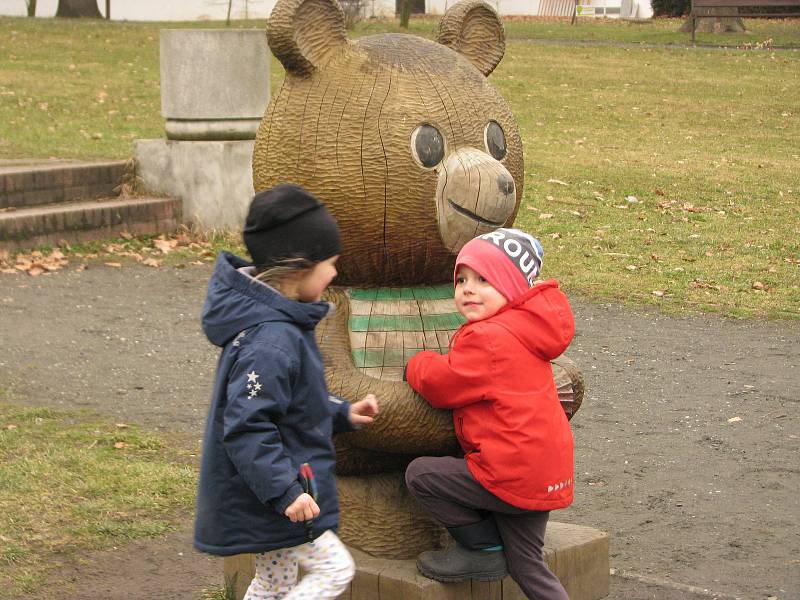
[{"x": 108, "y": 10}]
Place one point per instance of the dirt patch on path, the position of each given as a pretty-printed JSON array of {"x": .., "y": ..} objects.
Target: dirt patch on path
[{"x": 686, "y": 446}]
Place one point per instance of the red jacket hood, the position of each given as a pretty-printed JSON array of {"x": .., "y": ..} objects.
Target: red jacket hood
[{"x": 541, "y": 319}]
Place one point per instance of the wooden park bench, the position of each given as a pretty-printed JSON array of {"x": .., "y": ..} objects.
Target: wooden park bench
[{"x": 744, "y": 8}]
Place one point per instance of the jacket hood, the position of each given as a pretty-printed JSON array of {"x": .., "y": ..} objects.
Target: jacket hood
[
  {"x": 236, "y": 301},
  {"x": 541, "y": 319}
]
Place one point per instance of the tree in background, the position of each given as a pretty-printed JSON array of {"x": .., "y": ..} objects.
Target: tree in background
[
  {"x": 353, "y": 11},
  {"x": 243, "y": 10},
  {"x": 31, "y": 4},
  {"x": 405, "y": 13},
  {"x": 78, "y": 8}
]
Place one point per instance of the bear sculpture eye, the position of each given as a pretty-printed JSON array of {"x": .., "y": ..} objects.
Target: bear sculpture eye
[
  {"x": 427, "y": 145},
  {"x": 495, "y": 140}
]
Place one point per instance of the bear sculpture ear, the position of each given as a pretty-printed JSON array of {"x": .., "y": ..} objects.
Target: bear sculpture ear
[
  {"x": 472, "y": 28},
  {"x": 303, "y": 34}
]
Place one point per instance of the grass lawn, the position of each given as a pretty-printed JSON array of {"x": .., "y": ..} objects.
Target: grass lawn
[
  {"x": 655, "y": 173},
  {"x": 71, "y": 482}
]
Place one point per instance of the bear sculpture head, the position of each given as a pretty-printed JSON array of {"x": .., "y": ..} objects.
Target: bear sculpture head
[{"x": 405, "y": 139}]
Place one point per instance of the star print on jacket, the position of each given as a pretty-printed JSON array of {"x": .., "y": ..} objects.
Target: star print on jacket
[{"x": 252, "y": 384}]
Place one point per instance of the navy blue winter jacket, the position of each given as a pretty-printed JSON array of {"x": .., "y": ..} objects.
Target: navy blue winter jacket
[{"x": 270, "y": 412}]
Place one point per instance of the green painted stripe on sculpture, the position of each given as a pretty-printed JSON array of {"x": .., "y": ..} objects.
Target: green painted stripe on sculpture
[
  {"x": 390, "y": 357},
  {"x": 446, "y": 322},
  {"x": 442, "y": 322},
  {"x": 440, "y": 292},
  {"x": 371, "y": 357}
]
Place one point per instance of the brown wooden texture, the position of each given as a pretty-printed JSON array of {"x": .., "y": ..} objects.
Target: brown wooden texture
[
  {"x": 342, "y": 122},
  {"x": 380, "y": 517},
  {"x": 345, "y": 124},
  {"x": 472, "y": 28}
]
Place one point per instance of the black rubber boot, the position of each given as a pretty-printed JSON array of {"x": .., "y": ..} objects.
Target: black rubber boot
[
  {"x": 459, "y": 564},
  {"x": 469, "y": 558}
]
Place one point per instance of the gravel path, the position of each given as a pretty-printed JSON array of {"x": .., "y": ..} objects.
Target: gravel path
[{"x": 686, "y": 446}]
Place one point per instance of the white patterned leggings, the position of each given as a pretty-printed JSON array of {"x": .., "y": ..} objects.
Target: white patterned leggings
[{"x": 328, "y": 567}]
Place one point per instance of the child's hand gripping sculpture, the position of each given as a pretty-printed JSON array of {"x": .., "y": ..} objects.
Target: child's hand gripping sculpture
[{"x": 364, "y": 411}]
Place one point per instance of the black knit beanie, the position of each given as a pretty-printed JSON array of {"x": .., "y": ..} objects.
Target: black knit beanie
[{"x": 289, "y": 222}]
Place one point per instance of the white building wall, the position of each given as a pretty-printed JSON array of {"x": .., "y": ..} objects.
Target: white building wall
[
  {"x": 192, "y": 10},
  {"x": 379, "y": 9},
  {"x": 156, "y": 10}
]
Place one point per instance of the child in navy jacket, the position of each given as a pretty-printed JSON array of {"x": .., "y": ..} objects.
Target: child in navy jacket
[{"x": 267, "y": 472}]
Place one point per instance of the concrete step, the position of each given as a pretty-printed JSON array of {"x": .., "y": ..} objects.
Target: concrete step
[
  {"x": 85, "y": 220},
  {"x": 25, "y": 183}
]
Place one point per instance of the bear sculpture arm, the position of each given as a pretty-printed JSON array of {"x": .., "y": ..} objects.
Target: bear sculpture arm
[
  {"x": 407, "y": 426},
  {"x": 406, "y": 423}
]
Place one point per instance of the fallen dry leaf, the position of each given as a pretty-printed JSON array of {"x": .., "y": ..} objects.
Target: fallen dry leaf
[
  {"x": 120, "y": 445},
  {"x": 151, "y": 262},
  {"x": 166, "y": 246},
  {"x": 658, "y": 293},
  {"x": 115, "y": 265},
  {"x": 545, "y": 215},
  {"x": 734, "y": 419},
  {"x": 557, "y": 182}
]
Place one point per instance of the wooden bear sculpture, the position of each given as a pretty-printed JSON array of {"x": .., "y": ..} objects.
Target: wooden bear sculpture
[{"x": 415, "y": 153}]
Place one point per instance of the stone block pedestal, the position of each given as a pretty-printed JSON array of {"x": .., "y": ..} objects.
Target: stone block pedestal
[
  {"x": 214, "y": 83},
  {"x": 213, "y": 178},
  {"x": 578, "y": 555}
]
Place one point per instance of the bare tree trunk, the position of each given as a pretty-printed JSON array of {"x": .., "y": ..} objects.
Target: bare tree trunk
[
  {"x": 108, "y": 10},
  {"x": 78, "y": 8},
  {"x": 719, "y": 20},
  {"x": 31, "y": 7},
  {"x": 405, "y": 13}
]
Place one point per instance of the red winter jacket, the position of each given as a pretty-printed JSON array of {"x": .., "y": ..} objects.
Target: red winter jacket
[{"x": 498, "y": 381}]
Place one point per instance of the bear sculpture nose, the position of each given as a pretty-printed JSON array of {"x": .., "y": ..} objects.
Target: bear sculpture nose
[{"x": 506, "y": 184}]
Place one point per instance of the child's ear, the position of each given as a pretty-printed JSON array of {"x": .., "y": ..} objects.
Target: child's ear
[
  {"x": 303, "y": 34},
  {"x": 472, "y": 28}
]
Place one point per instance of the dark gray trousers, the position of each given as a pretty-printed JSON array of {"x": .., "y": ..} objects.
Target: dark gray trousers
[{"x": 446, "y": 488}]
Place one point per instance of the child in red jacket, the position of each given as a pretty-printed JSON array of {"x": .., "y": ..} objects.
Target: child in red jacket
[{"x": 517, "y": 443}]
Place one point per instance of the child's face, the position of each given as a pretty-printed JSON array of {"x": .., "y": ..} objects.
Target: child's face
[
  {"x": 311, "y": 286},
  {"x": 475, "y": 297}
]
